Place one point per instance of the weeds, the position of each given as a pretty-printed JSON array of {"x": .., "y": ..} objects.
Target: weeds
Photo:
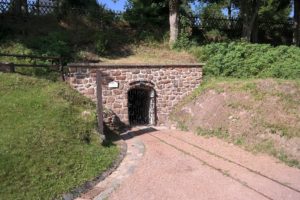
[
  {"x": 181, "y": 126},
  {"x": 219, "y": 133},
  {"x": 267, "y": 146}
]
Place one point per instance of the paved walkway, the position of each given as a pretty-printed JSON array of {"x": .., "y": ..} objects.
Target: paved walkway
[{"x": 180, "y": 165}]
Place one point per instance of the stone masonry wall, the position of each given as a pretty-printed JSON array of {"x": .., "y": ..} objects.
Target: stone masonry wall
[{"x": 170, "y": 82}]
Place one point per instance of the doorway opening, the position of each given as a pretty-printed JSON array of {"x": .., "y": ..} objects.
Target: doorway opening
[{"x": 141, "y": 106}]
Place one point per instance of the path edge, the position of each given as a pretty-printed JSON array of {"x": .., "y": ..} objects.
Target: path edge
[{"x": 76, "y": 192}]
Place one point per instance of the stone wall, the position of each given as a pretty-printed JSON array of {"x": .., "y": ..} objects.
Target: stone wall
[{"x": 170, "y": 82}]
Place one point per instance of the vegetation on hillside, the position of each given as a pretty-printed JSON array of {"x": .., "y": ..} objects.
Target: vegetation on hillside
[
  {"x": 261, "y": 115},
  {"x": 48, "y": 141},
  {"x": 244, "y": 60},
  {"x": 47, "y": 146}
]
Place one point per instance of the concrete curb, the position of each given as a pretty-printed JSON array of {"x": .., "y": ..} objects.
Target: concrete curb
[{"x": 135, "y": 151}]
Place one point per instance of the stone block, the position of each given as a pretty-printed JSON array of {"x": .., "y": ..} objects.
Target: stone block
[
  {"x": 116, "y": 73},
  {"x": 117, "y": 92},
  {"x": 136, "y": 71},
  {"x": 90, "y": 91},
  {"x": 115, "y": 105},
  {"x": 119, "y": 78},
  {"x": 110, "y": 100}
]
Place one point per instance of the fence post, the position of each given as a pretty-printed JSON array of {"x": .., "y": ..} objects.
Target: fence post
[
  {"x": 99, "y": 105},
  {"x": 12, "y": 67},
  {"x": 38, "y": 7},
  {"x": 61, "y": 69}
]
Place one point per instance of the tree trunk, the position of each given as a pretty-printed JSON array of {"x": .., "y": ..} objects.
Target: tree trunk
[
  {"x": 249, "y": 12},
  {"x": 254, "y": 35},
  {"x": 297, "y": 22},
  {"x": 244, "y": 15},
  {"x": 229, "y": 8},
  {"x": 173, "y": 20},
  {"x": 19, "y": 7}
]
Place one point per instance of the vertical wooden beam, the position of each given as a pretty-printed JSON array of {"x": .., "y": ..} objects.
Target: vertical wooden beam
[
  {"x": 61, "y": 69},
  {"x": 12, "y": 67},
  {"x": 38, "y": 7},
  {"x": 100, "y": 105},
  {"x": 297, "y": 22}
]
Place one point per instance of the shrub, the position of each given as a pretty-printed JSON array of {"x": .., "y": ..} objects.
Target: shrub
[
  {"x": 101, "y": 43},
  {"x": 183, "y": 41},
  {"x": 240, "y": 59},
  {"x": 215, "y": 36},
  {"x": 54, "y": 44}
]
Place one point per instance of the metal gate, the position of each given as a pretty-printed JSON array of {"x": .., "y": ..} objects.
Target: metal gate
[{"x": 141, "y": 106}]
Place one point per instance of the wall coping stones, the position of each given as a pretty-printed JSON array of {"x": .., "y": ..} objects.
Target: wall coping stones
[{"x": 111, "y": 65}]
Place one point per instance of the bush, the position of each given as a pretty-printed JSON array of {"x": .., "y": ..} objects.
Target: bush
[
  {"x": 54, "y": 44},
  {"x": 215, "y": 36},
  {"x": 183, "y": 42},
  {"x": 101, "y": 43},
  {"x": 240, "y": 59},
  {"x": 185, "y": 33}
]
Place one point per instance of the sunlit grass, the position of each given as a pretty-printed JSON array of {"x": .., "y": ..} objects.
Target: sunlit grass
[{"x": 46, "y": 146}]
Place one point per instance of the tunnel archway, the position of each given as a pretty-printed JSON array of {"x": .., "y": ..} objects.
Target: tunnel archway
[{"x": 141, "y": 106}]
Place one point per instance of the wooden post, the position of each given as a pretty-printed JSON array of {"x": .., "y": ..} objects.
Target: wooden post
[
  {"x": 12, "y": 68},
  {"x": 99, "y": 105},
  {"x": 61, "y": 69},
  {"x": 7, "y": 67},
  {"x": 38, "y": 7}
]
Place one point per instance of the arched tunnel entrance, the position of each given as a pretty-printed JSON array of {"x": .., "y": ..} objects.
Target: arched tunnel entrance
[{"x": 141, "y": 106}]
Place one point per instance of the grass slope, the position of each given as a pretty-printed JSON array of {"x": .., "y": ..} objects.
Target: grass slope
[
  {"x": 47, "y": 147},
  {"x": 261, "y": 115}
]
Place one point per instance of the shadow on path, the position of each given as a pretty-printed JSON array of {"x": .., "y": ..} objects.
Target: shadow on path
[{"x": 140, "y": 131}]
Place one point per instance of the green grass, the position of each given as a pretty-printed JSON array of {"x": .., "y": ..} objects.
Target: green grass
[
  {"x": 219, "y": 133},
  {"x": 46, "y": 146},
  {"x": 267, "y": 146}
]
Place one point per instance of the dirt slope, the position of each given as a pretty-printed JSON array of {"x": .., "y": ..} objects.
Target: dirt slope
[{"x": 260, "y": 115}]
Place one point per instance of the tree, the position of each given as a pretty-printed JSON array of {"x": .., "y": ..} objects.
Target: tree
[
  {"x": 19, "y": 7},
  {"x": 173, "y": 20},
  {"x": 249, "y": 12},
  {"x": 147, "y": 14},
  {"x": 297, "y": 22},
  {"x": 265, "y": 10}
]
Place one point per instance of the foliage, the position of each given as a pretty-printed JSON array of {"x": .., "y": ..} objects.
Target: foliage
[
  {"x": 215, "y": 35},
  {"x": 239, "y": 59},
  {"x": 261, "y": 21},
  {"x": 275, "y": 10},
  {"x": 212, "y": 10},
  {"x": 101, "y": 43},
  {"x": 185, "y": 33},
  {"x": 219, "y": 133},
  {"x": 183, "y": 42},
  {"x": 47, "y": 146},
  {"x": 54, "y": 44},
  {"x": 19, "y": 48},
  {"x": 145, "y": 14}
]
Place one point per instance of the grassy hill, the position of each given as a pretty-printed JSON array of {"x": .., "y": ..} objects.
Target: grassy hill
[
  {"x": 47, "y": 145},
  {"x": 261, "y": 115}
]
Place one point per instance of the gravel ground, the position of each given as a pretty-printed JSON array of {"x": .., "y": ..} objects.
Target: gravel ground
[{"x": 180, "y": 165}]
